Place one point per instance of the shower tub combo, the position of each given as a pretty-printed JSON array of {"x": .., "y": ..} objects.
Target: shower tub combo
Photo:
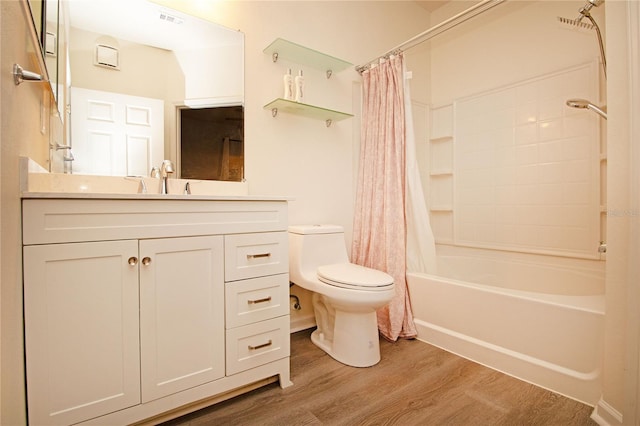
[{"x": 541, "y": 321}]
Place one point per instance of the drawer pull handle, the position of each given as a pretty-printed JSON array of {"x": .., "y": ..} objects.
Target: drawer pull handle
[
  {"x": 257, "y": 256},
  {"x": 133, "y": 261},
  {"x": 146, "y": 261},
  {"x": 253, "y": 302},
  {"x": 264, "y": 345}
]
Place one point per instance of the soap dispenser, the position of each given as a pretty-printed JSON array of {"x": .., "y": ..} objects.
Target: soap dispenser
[
  {"x": 299, "y": 82},
  {"x": 288, "y": 86}
]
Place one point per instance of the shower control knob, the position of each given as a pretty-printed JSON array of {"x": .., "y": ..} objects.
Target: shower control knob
[
  {"x": 133, "y": 261},
  {"x": 146, "y": 261}
]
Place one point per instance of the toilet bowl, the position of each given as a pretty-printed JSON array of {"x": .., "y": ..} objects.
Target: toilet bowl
[{"x": 345, "y": 296}]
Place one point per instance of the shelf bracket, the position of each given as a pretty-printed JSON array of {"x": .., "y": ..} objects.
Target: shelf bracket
[
  {"x": 274, "y": 56},
  {"x": 328, "y": 122},
  {"x": 274, "y": 112},
  {"x": 329, "y": 74}
]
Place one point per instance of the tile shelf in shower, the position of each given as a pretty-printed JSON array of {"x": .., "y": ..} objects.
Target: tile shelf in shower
[
  {"x": 443, "y": 209},
  {"x": 306, "y": 110},
  {"x": 440, "y": 139},
  {"x": 441, "y": 172}
]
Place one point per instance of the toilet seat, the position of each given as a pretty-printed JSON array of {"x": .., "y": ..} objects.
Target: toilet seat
[{"x": 355, "y": 277}]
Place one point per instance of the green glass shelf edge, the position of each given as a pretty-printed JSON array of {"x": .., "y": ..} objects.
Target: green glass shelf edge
[
  {"x": 303, "y": 55},
  {"x": 306, "y": 110}
]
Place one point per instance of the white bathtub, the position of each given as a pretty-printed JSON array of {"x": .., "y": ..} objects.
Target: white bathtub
[{"x": 485, "y": 307}]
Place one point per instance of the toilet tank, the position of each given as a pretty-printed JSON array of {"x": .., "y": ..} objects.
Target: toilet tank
[{"x": 311, "y": 246}]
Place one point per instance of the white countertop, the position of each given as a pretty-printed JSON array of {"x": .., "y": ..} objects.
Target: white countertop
[
  {"x": 119, "y": 196},
  {"x": 36, "y": 182}
]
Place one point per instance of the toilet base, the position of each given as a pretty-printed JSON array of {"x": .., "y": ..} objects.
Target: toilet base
[{"x": 355, "y": 339}]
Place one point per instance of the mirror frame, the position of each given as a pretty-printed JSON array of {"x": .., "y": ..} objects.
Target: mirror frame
[{"x": 37, "y": 24}]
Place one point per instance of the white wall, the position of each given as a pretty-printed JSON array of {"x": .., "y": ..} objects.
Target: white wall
[
  {"x": 24, "y": 131},
  {"x": 619, "y": 287}
]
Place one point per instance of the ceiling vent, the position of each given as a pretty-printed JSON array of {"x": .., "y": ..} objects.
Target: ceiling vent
[
  {"x": 173, "y": 19},
  {"x": 107, "y": 56}
]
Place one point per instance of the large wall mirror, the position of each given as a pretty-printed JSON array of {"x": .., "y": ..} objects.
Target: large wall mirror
[
  {"x": 44, "y": 15},
  {"x": 134, "y": 66}
]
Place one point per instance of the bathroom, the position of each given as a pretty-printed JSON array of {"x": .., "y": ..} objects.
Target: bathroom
[{"x": 317, "y": 165}]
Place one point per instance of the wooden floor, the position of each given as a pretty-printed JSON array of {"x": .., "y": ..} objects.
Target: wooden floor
[{"x": 414, "y": 384}]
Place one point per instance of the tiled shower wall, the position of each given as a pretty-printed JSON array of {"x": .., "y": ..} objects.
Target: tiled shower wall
[{"x": 514, "y": 168}]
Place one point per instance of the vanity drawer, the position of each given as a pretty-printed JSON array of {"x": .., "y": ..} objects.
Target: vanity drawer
[
  {"x": 255, "y": 344},
  {"x": 256, "y": 255},
  {"x": 256, "y": 299}
]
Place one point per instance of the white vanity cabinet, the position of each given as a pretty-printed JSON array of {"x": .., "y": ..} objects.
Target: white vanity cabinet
[
  {"x": 132, "y": 308},
  {"x": 82, "y": 330}
]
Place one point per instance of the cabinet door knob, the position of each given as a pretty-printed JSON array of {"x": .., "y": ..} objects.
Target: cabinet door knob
[
  {"x": 133, "y": 261},
  {"x": 146, "y": 261}
]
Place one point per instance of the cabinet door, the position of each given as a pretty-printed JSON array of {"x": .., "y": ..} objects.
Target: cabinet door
[
  {"x": 81, "y": 330},
  {"x": 181, "y": 314}
]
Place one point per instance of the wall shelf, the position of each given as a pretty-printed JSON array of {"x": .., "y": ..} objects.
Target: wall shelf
[
  {"x": 306, "y": 110},
  {"x": 281, "y": 48}
]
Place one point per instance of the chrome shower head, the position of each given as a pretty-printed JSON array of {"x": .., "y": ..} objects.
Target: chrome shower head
[
  {"x": 584, "y": 13},
  {"x": 584, "y": 10},
  {"x": 585, "y": 104}
]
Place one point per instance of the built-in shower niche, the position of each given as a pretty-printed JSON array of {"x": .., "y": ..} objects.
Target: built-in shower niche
[
  {"x": 212, "y": 143},
  {"x": 441, "y": 172}
]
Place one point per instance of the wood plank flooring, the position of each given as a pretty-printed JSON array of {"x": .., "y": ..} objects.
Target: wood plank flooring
[{"x": 414, "y": 384}]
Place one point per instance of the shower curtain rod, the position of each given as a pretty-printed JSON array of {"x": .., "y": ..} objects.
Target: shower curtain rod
[{"x": 443, "y": 26}]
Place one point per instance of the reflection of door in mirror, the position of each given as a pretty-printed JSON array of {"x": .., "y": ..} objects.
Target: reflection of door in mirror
[
  {"x": 115, "y": 134},
  {"x": 212, "y": 143}
]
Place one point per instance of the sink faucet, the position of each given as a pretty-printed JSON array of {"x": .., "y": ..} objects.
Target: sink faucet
[{"x": 165, "y": 169}]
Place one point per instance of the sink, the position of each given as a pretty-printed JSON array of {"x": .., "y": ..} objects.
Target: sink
[{"x": 38, "y": 180}]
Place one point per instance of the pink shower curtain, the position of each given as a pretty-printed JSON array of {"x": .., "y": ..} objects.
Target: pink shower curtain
[{"x": 379, "y": 230}]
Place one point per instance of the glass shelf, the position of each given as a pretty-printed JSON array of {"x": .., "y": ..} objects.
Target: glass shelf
[
  {"x": 281, "y": 48},
  {"x": 306, "y": 110}
]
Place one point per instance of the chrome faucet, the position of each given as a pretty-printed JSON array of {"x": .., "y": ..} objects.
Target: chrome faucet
[{"x": 165, "y": 169}]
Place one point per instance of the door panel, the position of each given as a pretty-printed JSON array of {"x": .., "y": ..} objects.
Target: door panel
[
  {"x": 115, "y": 134},
  {"x": 181, "y": 314},
  {"x": 81, "y": 330}
]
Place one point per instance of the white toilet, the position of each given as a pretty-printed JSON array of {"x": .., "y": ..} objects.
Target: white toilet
[{"x": 345, "y": 295}]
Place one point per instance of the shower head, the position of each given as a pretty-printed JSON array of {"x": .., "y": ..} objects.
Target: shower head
[
  {"x": 585, "y": 104},
  {"x": 585, "y": 10},
  {"x": 584, "y": 13},
  {"x": 576, "y": 23}
]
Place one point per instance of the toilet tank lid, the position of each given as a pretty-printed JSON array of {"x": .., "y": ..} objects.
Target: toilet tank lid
[{"x": 315, "y": 229}]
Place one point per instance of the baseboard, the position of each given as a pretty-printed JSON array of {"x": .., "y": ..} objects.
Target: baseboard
[
  {"x": 302, "y": 323},
  {"x": 605, "y": 415}
]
